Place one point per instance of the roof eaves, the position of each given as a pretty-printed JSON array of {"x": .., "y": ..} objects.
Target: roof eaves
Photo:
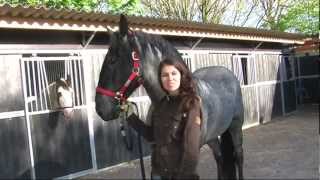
[{"x": 61, "y": 19}]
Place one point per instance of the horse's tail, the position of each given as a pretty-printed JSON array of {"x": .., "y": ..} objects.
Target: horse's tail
[{"x": 228, "y": 159}]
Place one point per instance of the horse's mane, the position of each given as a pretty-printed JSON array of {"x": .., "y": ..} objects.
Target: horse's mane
[{"x": 165, "y": 47}]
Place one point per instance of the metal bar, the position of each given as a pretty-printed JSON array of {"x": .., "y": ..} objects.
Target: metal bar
[
  {"x": 54, "y": 110},
  {"x": 39, "y": 84},
  {"x": 12, "y": 114},
  {"x": 47, "y": 86},
  {"x": 51, "y": 51},
  {"x": 24, "y": 87},
  {"x": 76, "y": 175},
  {"x": 299, "y": 67},
  {"x": 90, "y": 114},
  {"x": 68, "y": 68},
  {"x": 44, "y": 84},
  {"x": 253, "y": 58},
  {"x": 72, "y": 80},
  {"x": 65, "y": 69},
  {"x": 281, "y": 85},
  {"x": 230, "y": 52},
  {"x": 258, "y": 45},
  {"x": 34, "y": 86},
  {"x": 74, "y": 62},
  {"x": 42, "y": 92},
  {"x": 196, "y": 43},
  {"x": 80, "y": 77},
  {"x": 89, "y": 40},
  {"x": 192, "y": 59},
  {"x": 309, "y": 77},
  {"x": 58, "y": 58},
  {"x": 29, "y": 82}
]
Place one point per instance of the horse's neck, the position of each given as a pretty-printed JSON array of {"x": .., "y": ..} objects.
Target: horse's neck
[
  {"x": 152, "y": 86},
  {"x": 154, "y": 49},
  {"x": 150, "y": 61}
]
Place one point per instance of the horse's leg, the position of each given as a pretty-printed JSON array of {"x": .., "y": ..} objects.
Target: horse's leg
[
  {"x": 227, "y": 151},
  {"x": 236, "y": 133},
  {"x": 214, "y": 144}
]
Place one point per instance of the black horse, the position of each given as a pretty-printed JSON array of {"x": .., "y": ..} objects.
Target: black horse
[{"x": 133, "y": 59}]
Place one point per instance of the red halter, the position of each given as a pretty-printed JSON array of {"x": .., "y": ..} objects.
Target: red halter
[{"x": 135, "y": 74}]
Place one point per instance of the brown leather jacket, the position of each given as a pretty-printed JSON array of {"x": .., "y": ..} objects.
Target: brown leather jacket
[{"x": 176, "y": 137}]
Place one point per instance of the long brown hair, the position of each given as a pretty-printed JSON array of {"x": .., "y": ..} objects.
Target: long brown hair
[{"x": 187, "y": 89}]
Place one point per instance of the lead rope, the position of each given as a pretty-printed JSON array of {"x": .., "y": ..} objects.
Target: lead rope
[
  {"x": 125, "y": 131},
  {"x": 124, "y": 134}
]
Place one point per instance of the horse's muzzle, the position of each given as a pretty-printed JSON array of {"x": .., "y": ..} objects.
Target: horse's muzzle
[{"x": 106, "y": 108}]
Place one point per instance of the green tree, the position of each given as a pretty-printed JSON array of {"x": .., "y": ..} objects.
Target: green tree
[
  {"x": 270, "y": 12},
  {"x": 206, "y": 11},
  {"x": 85, "y": 5},
  {"x": 131, "y": 7},
  {"x": 302, "y": 17},
  {"x": 172, "y": 9},
  {"x": 239, "y": 12}
]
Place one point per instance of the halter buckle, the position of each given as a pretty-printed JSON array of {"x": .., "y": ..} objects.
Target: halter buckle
[
  {"x": 135, "y": 56},
  {"x": 136, "y": 70},
  {"x": 118, "y": 96}
]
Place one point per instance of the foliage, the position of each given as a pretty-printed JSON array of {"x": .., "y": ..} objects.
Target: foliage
[
  {"x": 302, "y": 17},
  {"x": 86, "y": 5},
  {"x": 129, "y": 7},
  {"x": 283, "y": 15},
  {"x": 270, "y": 13},
  {"x": 240, "y": 13},
  {"x": 206, "y": 11},
  {"x": 172, "y": 9}
]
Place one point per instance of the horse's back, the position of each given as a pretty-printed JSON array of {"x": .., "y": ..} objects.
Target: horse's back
[
  {"x": 220, "y": 92},
  {"x": 216, "y": 75}
]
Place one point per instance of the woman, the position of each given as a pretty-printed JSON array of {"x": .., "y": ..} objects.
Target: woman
[{"x": 175, "y": 124}]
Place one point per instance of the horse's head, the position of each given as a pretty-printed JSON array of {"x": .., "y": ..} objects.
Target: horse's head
[
  {"x": 120, "y": 72},
  {"x": 64, "y": 94}
]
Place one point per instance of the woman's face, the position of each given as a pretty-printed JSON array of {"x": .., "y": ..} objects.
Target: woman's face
[{"x": 170, "y": 79}]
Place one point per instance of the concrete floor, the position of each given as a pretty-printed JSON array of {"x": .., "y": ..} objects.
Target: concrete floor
[{"x": 286, "y": 148}]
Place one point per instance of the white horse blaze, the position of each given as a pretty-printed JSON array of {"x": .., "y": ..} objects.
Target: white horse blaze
[{"x": 65, "y": 97}]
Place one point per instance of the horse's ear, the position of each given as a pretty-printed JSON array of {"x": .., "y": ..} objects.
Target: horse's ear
[{"x": 123, "y": 25}]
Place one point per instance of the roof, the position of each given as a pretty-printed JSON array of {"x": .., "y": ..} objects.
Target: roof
[
  {"x": 310, "y": 46},
  {"x": 21, "y": 17}
]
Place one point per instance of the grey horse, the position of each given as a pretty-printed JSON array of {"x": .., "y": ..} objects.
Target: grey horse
[{"x": 133, "y": 59}]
